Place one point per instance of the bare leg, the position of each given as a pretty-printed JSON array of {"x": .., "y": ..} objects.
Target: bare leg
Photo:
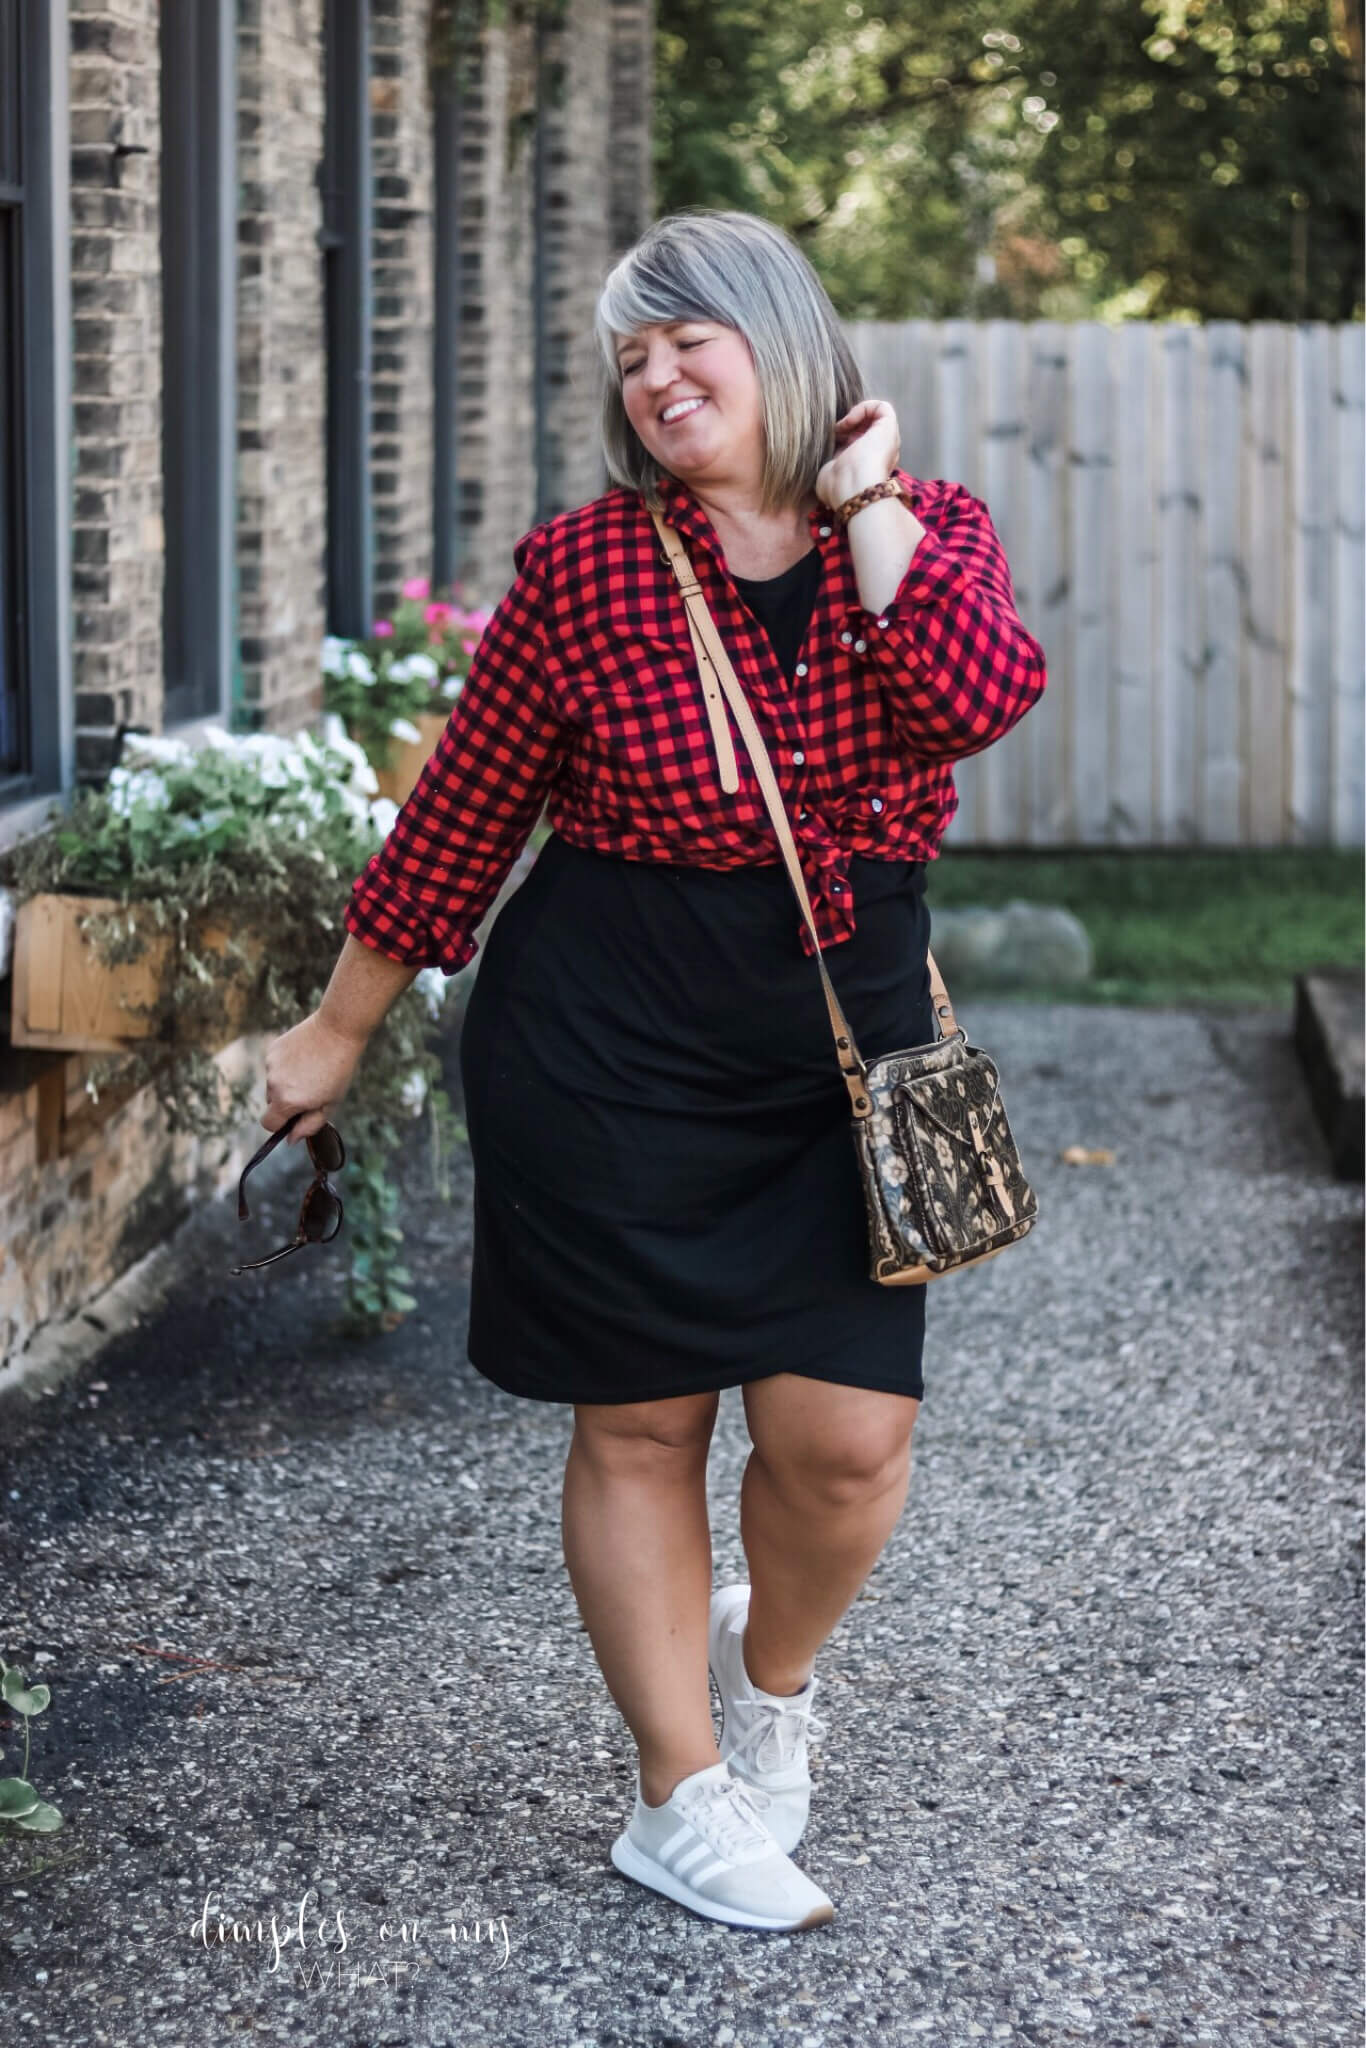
[
  {"x": 822, "y": 1491},
  {"x": 638, "y": 1547}
]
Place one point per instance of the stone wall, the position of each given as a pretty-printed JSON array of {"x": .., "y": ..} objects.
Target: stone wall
[
  {"x": 281, "y": 370},
  {"x": 401, "y": 386},
  {"x": 87, "y": 1187},
  {"x": 116, "y": 375}
]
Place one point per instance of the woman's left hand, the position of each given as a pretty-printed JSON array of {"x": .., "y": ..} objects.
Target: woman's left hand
[{"x": 867, "y": 448}]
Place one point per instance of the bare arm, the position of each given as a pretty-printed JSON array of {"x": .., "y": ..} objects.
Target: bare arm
[
  {"x": 364, "y": 987},
  {"x": 310, "y": 1068}
]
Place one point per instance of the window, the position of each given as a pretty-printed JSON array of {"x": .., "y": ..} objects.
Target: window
[
  {"x": 344, "y": 180},
  {"x": 199, "y": 397},
  {"x": 36, "y": 712},
  {"x": 15, "y": 744}
]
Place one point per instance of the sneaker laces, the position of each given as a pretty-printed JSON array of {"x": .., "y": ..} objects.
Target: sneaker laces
[
  {"x": 775, "y": 1732},
  {"x": 726, "y": 1814}
]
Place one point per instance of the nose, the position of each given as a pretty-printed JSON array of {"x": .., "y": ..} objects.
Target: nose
[{"x": 658, "y": 372}]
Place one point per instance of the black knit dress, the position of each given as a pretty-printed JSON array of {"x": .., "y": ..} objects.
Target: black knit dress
[{"x": 666, "y": 1198}]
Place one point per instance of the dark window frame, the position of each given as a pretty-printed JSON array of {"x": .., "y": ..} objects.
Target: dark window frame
[
  {"x": 198, "y": 68},
  {"x": 37, "y": 401},
  {"x": 344, "y": 182}
]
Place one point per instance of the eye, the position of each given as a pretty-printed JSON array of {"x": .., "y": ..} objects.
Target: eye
[{"x": 628, "y": 367}]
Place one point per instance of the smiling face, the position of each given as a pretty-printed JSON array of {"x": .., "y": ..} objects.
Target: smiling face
[{"x": 719, "y": 441}]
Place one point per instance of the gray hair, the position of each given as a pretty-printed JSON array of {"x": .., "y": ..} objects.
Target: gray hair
[{"x": 743, "y": 272}]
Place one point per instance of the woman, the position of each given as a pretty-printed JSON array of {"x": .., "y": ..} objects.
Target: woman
[{"x": 666, "y": 1196}]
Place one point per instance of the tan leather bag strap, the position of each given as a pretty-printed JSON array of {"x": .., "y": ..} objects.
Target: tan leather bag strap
[{"x": 719, "y": 687}]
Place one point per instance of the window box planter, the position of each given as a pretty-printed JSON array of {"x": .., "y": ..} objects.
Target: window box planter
[
  {"x": 65, "y": 998},
  {"x": 409, "y": 757}
]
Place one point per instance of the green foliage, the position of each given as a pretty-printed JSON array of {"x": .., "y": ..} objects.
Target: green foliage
[
  {"x": 1031, "y": 159},
  {"x": 262, "y": 837},
  {"x": 19, "y": 1802},
  {"x": 1183, "y": 926},
  {"x": 413, "y": 662}
]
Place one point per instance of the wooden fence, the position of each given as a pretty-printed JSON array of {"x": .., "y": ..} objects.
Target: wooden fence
[{"x": 1182, "y": 509}]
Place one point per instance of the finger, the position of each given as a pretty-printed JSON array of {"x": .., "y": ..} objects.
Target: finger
[{"x": 306, "y": 1126}]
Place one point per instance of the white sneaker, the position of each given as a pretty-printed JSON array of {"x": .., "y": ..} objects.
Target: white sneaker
[
  {"x": 707, "y": 1848},
  {"x": 763, "y": 1734}
]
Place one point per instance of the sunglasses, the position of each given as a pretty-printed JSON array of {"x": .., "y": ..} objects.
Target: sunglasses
[{"x": 321, "y": 1215}]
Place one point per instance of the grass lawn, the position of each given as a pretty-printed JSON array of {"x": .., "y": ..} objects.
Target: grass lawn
[{"x": 1184, "y": 926}]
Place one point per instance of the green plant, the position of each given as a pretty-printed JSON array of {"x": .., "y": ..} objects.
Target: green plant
[
  {"x": 413, "y": 662},
  {"x": 19, "y": 1802},
  {"x": 261, "y": 836}
]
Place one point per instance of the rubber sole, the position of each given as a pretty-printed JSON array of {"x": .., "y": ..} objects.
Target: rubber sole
[{"x": 632, "y": 1862}]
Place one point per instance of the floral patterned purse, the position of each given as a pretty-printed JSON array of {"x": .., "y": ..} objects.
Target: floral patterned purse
[{"x": 942, "y": 1179}]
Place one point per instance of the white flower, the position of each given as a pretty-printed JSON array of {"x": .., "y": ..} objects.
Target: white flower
[
  {"x": 147, "y": 788},
  {"x": 358, "y": 665},
  {"x": 452, "y": 686},
  {"x": 424, "y": 665},
  {"x": 401, "y": 671},
  {"x": 334, "y": 655},
  {"x": 337, "y": 740},
  {"x": 219, "y": 736},
  {"x": 432, "y": 985},
  {"x": 403, "y": 729},
  {"x": 383, "y": 812},
  {"x": 152, "y": 746},
  {"x": 414, "y": 1091}
]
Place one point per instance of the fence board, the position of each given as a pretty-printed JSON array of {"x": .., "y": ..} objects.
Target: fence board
[{"x": 1182, "y": 509}]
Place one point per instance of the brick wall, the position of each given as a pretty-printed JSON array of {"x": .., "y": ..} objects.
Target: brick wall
[
  {"x": 496, "y": 458},
  {"x": 87, "y": 1188},
  {"x": 116, "y": 376},
  {"x": 282, "y": 391},
  {"x": 401, "y": 384}
]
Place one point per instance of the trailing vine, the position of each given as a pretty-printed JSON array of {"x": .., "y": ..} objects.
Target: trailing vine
[{"x": 260, "y": 837}]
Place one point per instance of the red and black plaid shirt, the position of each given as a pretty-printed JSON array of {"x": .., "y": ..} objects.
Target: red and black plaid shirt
[{"x": 583, "y": 698}]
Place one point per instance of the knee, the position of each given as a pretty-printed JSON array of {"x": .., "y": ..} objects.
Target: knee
[
  {"x": 647, "y": 1436},
  {"x": 840, "y": 1472}
]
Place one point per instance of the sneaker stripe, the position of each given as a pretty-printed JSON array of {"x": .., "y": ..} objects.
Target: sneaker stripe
[
  {"x": 699, "y": 1853},
  {"x": 701, "y": 1877},
  {"x": 679, "y": 1839}
]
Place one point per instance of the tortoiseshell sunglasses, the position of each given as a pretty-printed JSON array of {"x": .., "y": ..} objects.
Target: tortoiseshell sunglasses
[{"x": 321, "y": 1215}]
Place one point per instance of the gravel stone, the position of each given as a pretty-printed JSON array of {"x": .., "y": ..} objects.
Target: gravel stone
[{"x": 1093, "y": 1769}]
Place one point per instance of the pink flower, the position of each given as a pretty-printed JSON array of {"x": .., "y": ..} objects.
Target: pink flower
[
  {"x": 439, "y": 615},
  {"x": 417, "y": 586},
  {"x": 383, "y": 629}
]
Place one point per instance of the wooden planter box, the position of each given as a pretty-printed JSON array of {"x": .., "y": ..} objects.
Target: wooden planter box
[
  {"x": 66, "y": 999},
  {"x": 410, "y": 757}
]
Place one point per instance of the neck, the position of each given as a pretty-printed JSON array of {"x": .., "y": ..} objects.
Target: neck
[{"x": 737, "y": 507}]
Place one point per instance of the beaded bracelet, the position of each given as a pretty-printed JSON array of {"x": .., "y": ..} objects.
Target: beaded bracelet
[{"x": 890, "y": 488}]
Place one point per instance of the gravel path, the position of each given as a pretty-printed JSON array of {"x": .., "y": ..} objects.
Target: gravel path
[{"x": 1093, "y": 1768}]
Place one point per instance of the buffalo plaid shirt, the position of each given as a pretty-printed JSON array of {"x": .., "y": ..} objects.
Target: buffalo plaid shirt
[{"x": 583, "y": 699}]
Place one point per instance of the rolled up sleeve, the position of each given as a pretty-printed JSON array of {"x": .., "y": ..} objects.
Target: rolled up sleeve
[
  {"x": 956, "y": 667},
  {"x": 452, "y": 846}
]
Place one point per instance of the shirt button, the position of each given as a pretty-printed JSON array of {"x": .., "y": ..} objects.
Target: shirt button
[
  {"x": 802, "y": 817},
  {"x": 801, "y": 668},
  {"x": 797, "y": 759},
  {"x": 860, "y": 646},
  {"x": 877, "y": 803},
  {"x": 846, "y": 638},
  {"x": 837, "y": 888},
  {"x": 882, "y": 622},
  {"x": 825, "y": 533}
]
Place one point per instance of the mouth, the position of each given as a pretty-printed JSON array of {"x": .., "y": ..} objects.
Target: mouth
[{"x": 696, "y": 408}]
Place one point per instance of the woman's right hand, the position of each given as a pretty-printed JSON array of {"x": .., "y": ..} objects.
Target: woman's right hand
[{"x": 309, "y": 1068}]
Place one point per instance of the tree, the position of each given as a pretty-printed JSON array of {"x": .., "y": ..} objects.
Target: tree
[{"x": 1032, "y": 158}]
